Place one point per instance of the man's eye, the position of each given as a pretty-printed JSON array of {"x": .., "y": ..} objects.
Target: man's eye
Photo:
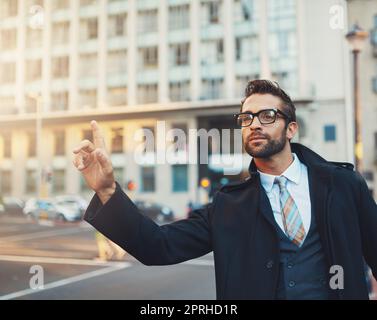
[
  {"x": 243, "y": 119},
  {"x": 267, "y": 115}
]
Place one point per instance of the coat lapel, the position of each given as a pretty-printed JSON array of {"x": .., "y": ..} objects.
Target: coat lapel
[{"x": 320, "y": 186}]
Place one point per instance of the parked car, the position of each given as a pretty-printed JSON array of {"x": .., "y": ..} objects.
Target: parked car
[
  {"x": 39, "y": 209},
  {"x": 52, "y": 209},
  {"x": 155, "y": 211},
  {"x": 67, "y": 210},
  {"x": 72, "y": 198},
  {"x": 13, "y": 205}
]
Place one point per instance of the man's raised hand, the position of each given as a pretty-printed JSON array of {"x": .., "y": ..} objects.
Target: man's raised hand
[{"x": 92, "y": 160}]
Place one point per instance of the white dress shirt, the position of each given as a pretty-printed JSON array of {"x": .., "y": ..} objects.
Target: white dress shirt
[{"x": 297, "y": 186}]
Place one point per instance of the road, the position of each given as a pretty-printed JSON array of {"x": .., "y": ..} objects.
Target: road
[{"x": 67, "y": 255}]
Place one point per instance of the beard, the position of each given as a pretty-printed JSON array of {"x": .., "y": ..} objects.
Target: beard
[{"x": 266, "y": 148}]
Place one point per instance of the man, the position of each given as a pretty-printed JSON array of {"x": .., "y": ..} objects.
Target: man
[{"x": 284, "y": 233}]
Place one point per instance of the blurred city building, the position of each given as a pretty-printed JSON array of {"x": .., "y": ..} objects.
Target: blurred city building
[{"x": 128, "y": 64}]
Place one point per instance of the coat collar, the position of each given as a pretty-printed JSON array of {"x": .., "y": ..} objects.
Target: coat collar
[
  {"x": 308, "y": 157},
  {"x": 292, "y": 173}
]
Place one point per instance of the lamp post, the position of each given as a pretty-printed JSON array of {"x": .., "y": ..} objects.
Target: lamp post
[
  {"x": 38, "y": 136},
  {"x": 356, "y": 38}
]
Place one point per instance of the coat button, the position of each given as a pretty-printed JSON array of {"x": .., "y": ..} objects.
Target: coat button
[
  {"x": 269, "y": 264},
  {"x": 291, "y": 284},
  {"x": 290, "y": 265}
]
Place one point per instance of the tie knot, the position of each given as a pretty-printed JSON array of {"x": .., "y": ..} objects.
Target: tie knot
[{"x": 281, "y": 181}]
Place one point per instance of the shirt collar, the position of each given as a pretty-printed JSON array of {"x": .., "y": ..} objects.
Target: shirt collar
[{"x": 292, "y": 173}]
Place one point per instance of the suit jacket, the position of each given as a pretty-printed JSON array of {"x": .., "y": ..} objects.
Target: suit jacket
[{"x": 245, "y": 245}]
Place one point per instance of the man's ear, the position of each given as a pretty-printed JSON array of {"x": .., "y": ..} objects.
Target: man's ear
[{"x": 292, "y": 129}]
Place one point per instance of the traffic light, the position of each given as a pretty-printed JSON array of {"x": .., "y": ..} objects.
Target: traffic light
[
  {"x": 131, "y": 185},
  {"x": 205, "y": 183}
]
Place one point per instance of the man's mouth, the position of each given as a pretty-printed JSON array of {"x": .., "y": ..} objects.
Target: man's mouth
[{"x": 257, "y": 138}]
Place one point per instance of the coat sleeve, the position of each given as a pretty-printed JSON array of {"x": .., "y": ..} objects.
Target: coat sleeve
[
  {"x": 120, "y": 220},
  {"x": 368, "y": 225}
]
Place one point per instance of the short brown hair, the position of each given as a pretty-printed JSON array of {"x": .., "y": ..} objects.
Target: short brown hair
[{"x": 273, "y": 88}]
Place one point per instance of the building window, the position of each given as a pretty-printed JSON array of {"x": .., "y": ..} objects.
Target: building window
[
  {"x": 148, "y": 179},
  {"x": 7, "y": 144},
  {"x": 7, "y": 105},
  {"x": 179, "y": 91},
  {"x": 117, "y": 140},
  {"x": 330, "y": 133},
  {"x": 118, "y": 25},
  {"x": 220, "y": 50},
  {"x": 8, "y": 39},
  {"x": 8, "y": 72},
  {"x": 31, "y": 146},
  {"x": 117, "y": 96},
  {"x": 60, "y": 67},
  {"x": 88, "y": 65},
  {"x": 33, "y": 70},
  {"x": 179, "y": 17},
  {"x": 212, "y": 51},
  {"x": 85, "y": 3},
  {"x": 147, "y": 21},
  {"x": 8, "y": 8},
  {"x": 180, "y": 54},
  {"x": 31, "y": 176},
  {"x": 243, "y": 10},
  {"x": 117, "y": 62},
  {"x": 58, "y": 181},
  {"x": 60, "y": 4},
  {"x": 89, "y": 29},
  {"x": 59, "y": 143},
  {"x": 59, "y": 101},
  {"x": 149, "y": 58},
  {"x": 214, "y": 10},
  {"x": 211, "y": 12},
  {"x": 241, "y": 82},
  {"x": 180, "y": 178},
  {"x": 34, "y": 38},
  {"x": 212, "y": 88},
  {"x": 87, "y": 98},
  {"x": 147, "y": 93},
  {"x": 246, "y": 48},
  {"x": 60, "y": 33},
  {"x": 6, "y": 182},
  {"x": 30, "y": 104}
]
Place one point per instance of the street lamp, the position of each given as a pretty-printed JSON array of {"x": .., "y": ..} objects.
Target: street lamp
[
  {"x": 356, "y": 38},
  {"x": 38, "y": 99}
]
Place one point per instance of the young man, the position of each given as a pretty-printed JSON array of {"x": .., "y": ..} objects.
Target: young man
[{"x": 284, "y": 233}]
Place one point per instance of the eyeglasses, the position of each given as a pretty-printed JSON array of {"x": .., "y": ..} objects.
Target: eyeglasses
[{"x": 265, "y": 116}]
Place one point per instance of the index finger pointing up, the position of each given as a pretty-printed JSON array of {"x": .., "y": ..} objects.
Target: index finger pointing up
[{"x": 98, "y": 139}]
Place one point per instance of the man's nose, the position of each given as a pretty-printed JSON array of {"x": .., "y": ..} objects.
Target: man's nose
[{"x": 255, "y": 123}]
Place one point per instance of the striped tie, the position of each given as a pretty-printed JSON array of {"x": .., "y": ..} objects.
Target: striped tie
[{"x": 293, "y": 226}]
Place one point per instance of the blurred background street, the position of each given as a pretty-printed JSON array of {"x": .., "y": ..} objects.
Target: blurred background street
[{"x": 68, "y": 254}]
